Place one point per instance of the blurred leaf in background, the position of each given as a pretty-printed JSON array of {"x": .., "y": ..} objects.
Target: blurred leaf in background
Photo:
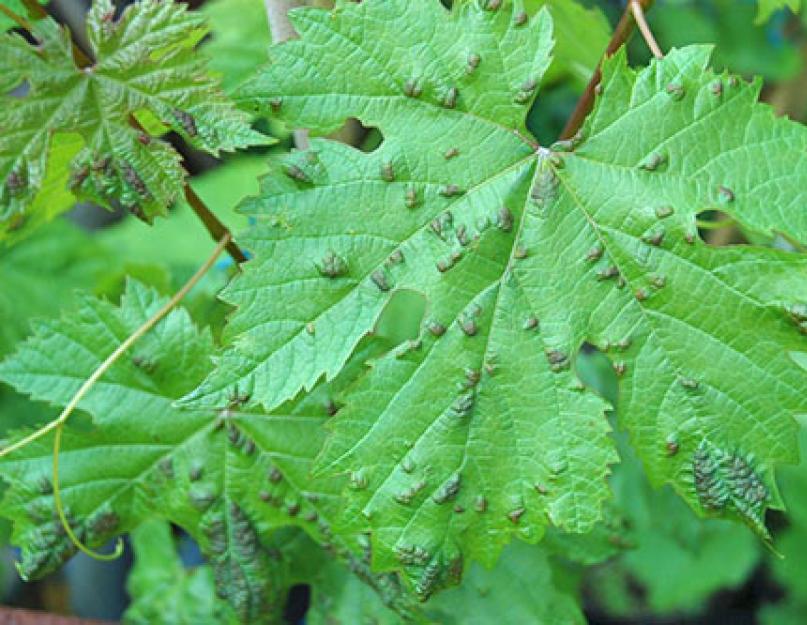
[
  {"x": 678, "y": 561},
  {"x": 163, "y": 591},
  {"x": 768, "y": 7},
  {"x": 740, "y": 45},
  {"x": 239, "y": 42},
  {"x": 790, "y": 571}
]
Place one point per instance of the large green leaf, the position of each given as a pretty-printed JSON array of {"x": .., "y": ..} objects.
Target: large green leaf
[
  {"x": 479, "y": 429},
  {"x": 333, "y": 271},
  {"x": 145, "y": 66},
  {"x": 157, "y": 460}
]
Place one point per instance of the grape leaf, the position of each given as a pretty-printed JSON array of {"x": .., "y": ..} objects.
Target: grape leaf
[
  {"x": 228, "y": 476},
  {"x": 769, "y": 7},
  {"x": 480, "y": 429},
  {"x": 157, "y": 460},
  {"x": 446, "y": 443},
  {"x": 146, "y": 67}
]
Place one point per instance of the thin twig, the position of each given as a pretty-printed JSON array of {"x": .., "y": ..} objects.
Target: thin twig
[
  {"x": 215, "y": 227},
  {"x": 58, "y": 423},
  {"x": 638, "y": 14},
  {"x": 586, "y": 102}
]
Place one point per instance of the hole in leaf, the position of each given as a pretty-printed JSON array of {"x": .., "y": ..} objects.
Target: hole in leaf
[
  {"x": 718, "y": 229},
  {"x": 297, "y": 603},
  {"x": 596, "y": 371},
  {"x": 550, "y": 110},
  {"x": 402, "y": 317},
  {"x": 21, "y": 90},
  {"x": 366, "y": 138}
]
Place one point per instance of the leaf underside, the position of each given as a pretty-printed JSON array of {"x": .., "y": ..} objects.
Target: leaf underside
[
  {"x": 480, "y": 428},
  {"x": 145, "y": 66},
  {"x": 448, "y": 445}
]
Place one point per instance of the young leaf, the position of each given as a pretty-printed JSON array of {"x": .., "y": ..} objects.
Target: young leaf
[
  {"x": 481, "y": 429},
  {"x": 145, "y": 67}
]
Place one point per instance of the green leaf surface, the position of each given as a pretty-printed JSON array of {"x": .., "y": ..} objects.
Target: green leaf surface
[
  {"x": 180, "y": 465},
  {"x": 145, "y": 63},
  {"x": 450, "y": 377},
  {"x": 163, "y": 592}
]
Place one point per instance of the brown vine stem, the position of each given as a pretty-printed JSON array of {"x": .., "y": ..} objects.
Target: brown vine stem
[
  {"x": 621, "y": 34},
  {"x": 212, "y": 224},
  {"x": 57, "y": 424}
]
